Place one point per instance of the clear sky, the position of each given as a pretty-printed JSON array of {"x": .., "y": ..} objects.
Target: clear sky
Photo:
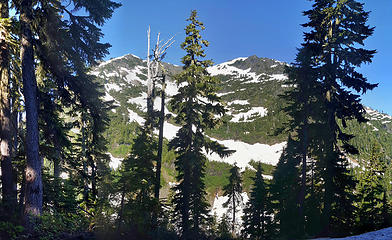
[{"x": 243, "y": 28}]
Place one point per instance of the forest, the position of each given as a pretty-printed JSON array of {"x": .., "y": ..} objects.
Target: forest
[{"x": 57, "y": 128}]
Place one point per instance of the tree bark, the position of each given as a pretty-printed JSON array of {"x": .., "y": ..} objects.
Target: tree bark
[
  {"x": 304, "y": 170},
  {"x": 33, "y": 186},
  {"x": 160, "y": 140},
  {"x": 7, "y": 170},
  {"x": 150, "y": 104}
]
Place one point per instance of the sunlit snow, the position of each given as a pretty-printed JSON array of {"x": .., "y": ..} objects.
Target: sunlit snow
[
  {"x": 383, "y": 234},
  {"x": 114, "y": 162},
  {"x": 246, "y": 152},
  {"x": 255, "y": 111},
  {"x": 219, "y": 210}
]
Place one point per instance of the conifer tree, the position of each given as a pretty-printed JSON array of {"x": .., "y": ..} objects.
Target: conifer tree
[
  {"x": 257, "y": 215},
  {"x": 9, "y": 198},
  {"x": 233, "y": 191},
  {"x": 196, "y": 105},
  {"x": 64, "y": 47},
  {"x": 33, "y": 188},
  {"x": 338, "y": 29},
  {"x": 302, "y": 108},
  {"x": 285, "y": 188},
  {"x": 371, "y": 191},
  {"x": 223, "y": 230},
  {"x": 137, "y": 182}
]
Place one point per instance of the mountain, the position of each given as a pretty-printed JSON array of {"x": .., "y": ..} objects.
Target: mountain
[{"x": 250, "y": 88}]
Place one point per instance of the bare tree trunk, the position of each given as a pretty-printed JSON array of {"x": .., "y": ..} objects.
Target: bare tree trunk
[
  {"x": 304, "y": 170},
  {"x": 234, "y": 209},
  {"x": 150, "y": 104},
  {"x": 160, "y": 140},
  {"x": 8, "y": 173},
  {"x": 33, "y": 187}
]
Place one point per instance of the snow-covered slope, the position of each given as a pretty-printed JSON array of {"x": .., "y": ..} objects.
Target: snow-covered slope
[
  {"x": 125, "y": 83},
  {"x": 250, "y": 87},
  {"x": 383, "y": 234}
]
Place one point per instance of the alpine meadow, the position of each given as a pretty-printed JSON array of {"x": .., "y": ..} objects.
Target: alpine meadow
[{"x": 104, "y": 136}]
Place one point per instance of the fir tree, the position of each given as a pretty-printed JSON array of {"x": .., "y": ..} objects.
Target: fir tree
[
  {"x": 285, "y": 188},
  {"x": 233, "y": 191},
  {"x": 196, "y": 105},
  {"x": 9, "y": 198},
  {"x": 257, "y": 218},
  {"x": 371, "y": 190},
  {"x": 33, "y": 179},
  {"x": 338, "y": 27},
  {"x": 137, "y": 182},
  {"x": 223, "y": 231},
  {"x": 302, "y": 108}
]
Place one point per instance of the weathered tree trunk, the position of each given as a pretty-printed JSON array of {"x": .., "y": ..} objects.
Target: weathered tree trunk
[
  {"x": 160, "y": 140},
  {"x": 7, "y": 170},
  {"x": 304, "y": 170},
  {"x": 234, "y": 209},
  {"x": 150, "y": 103},
  {"x": 33, "y": 187},
  {"x": 94, "y": 190},
  {"x": 84, "y": 160}
]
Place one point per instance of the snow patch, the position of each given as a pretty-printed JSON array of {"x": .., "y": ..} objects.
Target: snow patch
[
  {"x": 112, "y": 86},
  {"x": 278, "y": 77},
  {"x": 219, "y": 210},
  {"x": 238, "y": 102},
  {"x": 134, "y": 117},
  {"x": 226, "y": 69},
  {"x": 242, "y": 117},
  {"x": 383, "y": 234},
  {"x": 245, "y": 152},
  {"x": 114, "y": 162},
  {"x": 170, "y": 130},
  {"x": 225, "y": 93}
]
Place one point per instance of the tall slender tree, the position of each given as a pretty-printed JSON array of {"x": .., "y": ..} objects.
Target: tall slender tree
[
  {"x": 196, "y": 105},
  {"x": 257, "y": 218},
  {"x": 6, "y": 137},
  {"x": 233, "y": 190},
  {"x": 338, "y": 28},
  {"x": 285, "y": 189},
  {"x": 33, "y": 188}
]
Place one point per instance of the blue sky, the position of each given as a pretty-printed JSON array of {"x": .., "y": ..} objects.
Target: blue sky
[{"x": 244, "y": 28}]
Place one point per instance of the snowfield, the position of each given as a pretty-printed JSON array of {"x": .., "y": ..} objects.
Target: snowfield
[
  {"x": 246, "y": 152},
  {"x": 219, "y": 210},
  {"x": 383, "y": 234},
  {"x": 243, "y": 117}
]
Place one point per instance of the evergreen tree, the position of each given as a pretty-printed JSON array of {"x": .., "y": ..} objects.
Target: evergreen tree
[
  {"x": 303, "y": 99},
  {"x": 196, "y": 105},
  {"x": 371, "y": 190},
  {"x": 233, "y": 191},
  {"x": 33, "y": 179},
  {"x": 137, "y": 183},
  {"x": 338, "y": 27},
  {"x": 223, "y": 232},
  {"x": 9, "y": 198},
  {"x": 64, "y": 47},
  {"x": 285, "y": 189},
  {"x": 257, "y": 215}
]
